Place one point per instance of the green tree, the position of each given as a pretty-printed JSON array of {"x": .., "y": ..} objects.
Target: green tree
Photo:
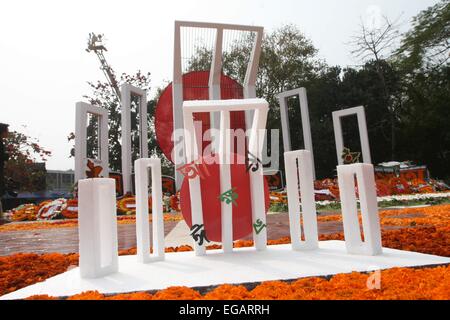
[
  {"x": 24, "y": 171},
  {"x": 427, "y": 44}
]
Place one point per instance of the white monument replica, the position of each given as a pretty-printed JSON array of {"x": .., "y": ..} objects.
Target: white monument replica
[
  {"x": 364, "y": 138},
  {"x": 101, "y": 269}
]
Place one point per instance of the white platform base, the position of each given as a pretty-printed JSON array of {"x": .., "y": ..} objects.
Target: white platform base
[{"x": 242, "y": 266}]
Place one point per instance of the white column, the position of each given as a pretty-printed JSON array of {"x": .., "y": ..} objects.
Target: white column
[
  {"x": 142, "y": 224},
  {"x": 369, "y": 209},
  {"x": 225, "y": 181},
  {"x": 177, "y": 101},
  {"x": 97, "y": 227},
  {"x": 285, "y": 128},
  {"x": 192, "y": 154},
  {"x": 257, "y": 177},
  {"x": 303, "y": 176}
]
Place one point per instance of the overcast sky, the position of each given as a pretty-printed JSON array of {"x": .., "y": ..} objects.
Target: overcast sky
[{"x": 44, "y": 67}]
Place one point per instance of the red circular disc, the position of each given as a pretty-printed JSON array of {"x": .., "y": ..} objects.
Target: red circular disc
[
  {"x": 195, "y": 87},
  {"x": 211, "y": 204}
]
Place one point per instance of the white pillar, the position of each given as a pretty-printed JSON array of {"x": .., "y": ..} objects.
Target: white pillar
[
  {"x": 97, "y": 227},
  {"x": 255, "y": 146},
  {"x": 192, "y": 154},
  {"x": 215, "y": 75},
  {"x": 303, "y": 176},
  {"x": 225, "y": 181},
  {"x": 126, "y": 91},
  {"x": 363, "y": 135},
  {"x": 369, "y": 209},
  {"x": 142, "y": 225},
  {"x": 81, "y": 159}
]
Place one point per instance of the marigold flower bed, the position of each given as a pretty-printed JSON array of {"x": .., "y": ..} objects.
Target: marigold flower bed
[
  {"x": 396, "y": 283},
  {"x": 426, "y": 216},
  {"x": 74, "y": 223},
  {"x": 20, "y": 270}
]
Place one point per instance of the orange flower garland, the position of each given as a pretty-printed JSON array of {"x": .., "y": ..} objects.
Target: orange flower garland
[{"x": 24, "y": 212}]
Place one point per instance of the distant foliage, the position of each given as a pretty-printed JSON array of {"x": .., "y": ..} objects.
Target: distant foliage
[{"x": 24, "y": 170}]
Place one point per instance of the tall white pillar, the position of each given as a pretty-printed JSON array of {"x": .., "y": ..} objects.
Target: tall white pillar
[{"x": 142, "y": 225}]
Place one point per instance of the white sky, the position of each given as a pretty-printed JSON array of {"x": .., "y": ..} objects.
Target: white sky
[{"x": 44, "y": 67}]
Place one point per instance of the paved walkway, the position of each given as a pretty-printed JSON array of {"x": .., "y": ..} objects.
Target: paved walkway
[{"x": 65, "y": 240}]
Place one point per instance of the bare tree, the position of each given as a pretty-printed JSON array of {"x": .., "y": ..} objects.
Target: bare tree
[{"x": 376, "y": 44}]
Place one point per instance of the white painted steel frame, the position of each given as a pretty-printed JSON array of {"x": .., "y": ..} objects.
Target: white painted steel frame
[
  {"x": 81, "y": 112},
  {"x": 215, "y": 74},
  {"x": 306, "y": 126},
  {"x": 256, "y": 139},
  {"x": 126, "y": 91},
  {"x": 363, "y": 135}
]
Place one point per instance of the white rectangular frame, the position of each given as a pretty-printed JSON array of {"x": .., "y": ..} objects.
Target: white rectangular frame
[
  {"x": 126, "y": 91},
  {"x": 295, "y": 176},
  {"x": 306, "y": 126},
  {"x": 363, "y": 135},
  {"x": 215, "y": 74},
  {"x": 260, "y": 107},
  {"x": 142, "y": 224},
  {"x": 81, "y": 112}
]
